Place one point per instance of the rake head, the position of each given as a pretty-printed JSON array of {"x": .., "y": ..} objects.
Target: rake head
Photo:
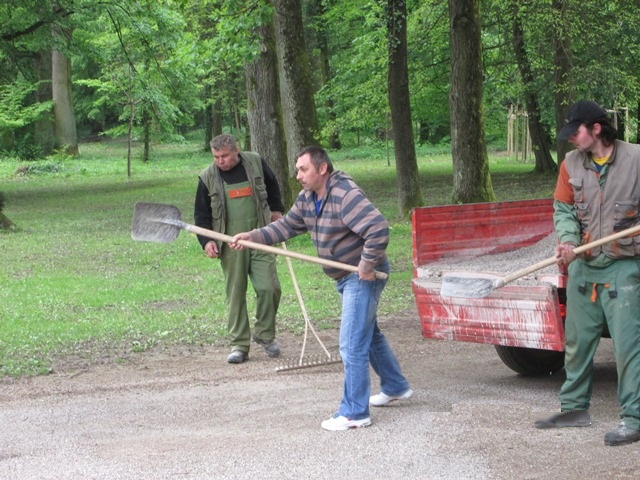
[{"x": 308, "y": 362}]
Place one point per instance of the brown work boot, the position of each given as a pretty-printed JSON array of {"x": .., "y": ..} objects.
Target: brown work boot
[{"x": 570, "y": 418}]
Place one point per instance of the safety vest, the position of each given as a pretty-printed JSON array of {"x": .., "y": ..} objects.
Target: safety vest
[
  {"x": 212, "y": 179},
  {"x": 608, "y": 202}
]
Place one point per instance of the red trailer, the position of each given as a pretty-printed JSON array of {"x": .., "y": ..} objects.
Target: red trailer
[{"x": 524, "y": 322}]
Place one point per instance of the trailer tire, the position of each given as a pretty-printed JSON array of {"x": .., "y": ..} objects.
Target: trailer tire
[{"x": 531, "y": 362}]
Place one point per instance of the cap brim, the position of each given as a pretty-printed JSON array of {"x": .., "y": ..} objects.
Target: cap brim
[{"x": 569, "y": 129}]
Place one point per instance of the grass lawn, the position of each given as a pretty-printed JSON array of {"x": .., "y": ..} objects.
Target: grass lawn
[{"x": 74, "y": 283}]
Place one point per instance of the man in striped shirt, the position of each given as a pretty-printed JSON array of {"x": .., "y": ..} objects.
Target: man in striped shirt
[{"x": 345, "y": 227}]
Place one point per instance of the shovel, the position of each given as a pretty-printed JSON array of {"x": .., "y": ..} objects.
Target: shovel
[
  {"x": 157, "y": 222},
  {"x": 472, "y": 285}
]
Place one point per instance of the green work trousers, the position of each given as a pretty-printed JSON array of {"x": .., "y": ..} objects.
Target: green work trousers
[
  {"x": 599, "y": 297},
  {"x": 240, "y": 266}
]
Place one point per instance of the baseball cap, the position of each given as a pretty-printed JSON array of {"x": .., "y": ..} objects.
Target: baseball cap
[{"x": 584, "y": 111}]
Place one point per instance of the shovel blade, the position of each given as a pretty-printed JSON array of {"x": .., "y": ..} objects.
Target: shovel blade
[
  {"x": 155, "y": 222},
  {"x": 468, "y": 285}
]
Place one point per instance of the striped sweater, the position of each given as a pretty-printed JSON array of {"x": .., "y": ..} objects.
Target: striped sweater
[{"x": 348, "y": 229}]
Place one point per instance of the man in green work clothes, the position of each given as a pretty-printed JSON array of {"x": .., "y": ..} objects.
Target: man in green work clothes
[
  {"x": 597, "y": 194},
  {"x": 236, "y": 193}
]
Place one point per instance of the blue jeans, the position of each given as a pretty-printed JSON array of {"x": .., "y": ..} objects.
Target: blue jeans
[{"x": 361, "y": 342}]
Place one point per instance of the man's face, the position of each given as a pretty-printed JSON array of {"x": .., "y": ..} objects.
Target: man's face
[
  {"x": 225, "y": 158},
  {"x": 311, "y": 179},
  {"x": 585, "y": 139}
]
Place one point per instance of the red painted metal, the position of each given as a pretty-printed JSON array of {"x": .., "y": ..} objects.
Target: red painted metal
[
  {"x": 478, "y": 228},
  {"x": 514, "y": 315}
]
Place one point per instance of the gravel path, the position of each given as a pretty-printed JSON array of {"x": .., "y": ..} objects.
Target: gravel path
[{"x": 185, "y": 414}]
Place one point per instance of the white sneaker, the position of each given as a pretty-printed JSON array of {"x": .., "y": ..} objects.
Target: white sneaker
[
  {"x": 382, "y": 399},
  {"x": 338, "y": 423}
]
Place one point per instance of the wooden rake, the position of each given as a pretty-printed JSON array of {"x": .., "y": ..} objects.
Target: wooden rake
[{"x": 305, "y": 361}]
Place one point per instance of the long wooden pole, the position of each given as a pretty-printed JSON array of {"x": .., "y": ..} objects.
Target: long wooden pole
[{"x": 267, "y": 248}]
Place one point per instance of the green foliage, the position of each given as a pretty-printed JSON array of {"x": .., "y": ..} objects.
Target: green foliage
[
  {"x": 358, "y": 48},
  {"x": 428, "y": 46},
  {"x": 159, "y": 57},
  {"x": 38, "y": 168},
  {"x": 18, "y": 19},
  {"x": 15, "y": 111},
  {"x": 146, "y": 66}
]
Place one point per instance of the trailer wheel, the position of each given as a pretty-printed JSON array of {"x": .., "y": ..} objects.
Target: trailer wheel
[{"x": 531, "y": 362}]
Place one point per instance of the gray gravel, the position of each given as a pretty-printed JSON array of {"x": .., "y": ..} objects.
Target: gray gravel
[
  {"x": 185, "y": 414},
  {"x": 502, "y": 263}
]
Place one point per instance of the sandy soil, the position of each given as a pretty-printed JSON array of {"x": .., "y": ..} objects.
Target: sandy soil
[{"x": 186, "y": 414}]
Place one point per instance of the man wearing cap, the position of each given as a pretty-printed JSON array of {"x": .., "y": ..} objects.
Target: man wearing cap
[{"x": 597, "y": 194}]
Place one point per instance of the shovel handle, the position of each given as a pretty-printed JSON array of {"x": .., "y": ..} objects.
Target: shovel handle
[
  {"x": 277, "y": 251},
  {"x": 578, "y": 250}
]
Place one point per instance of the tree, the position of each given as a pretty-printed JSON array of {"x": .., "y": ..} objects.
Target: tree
[
  {"x": 317, "y": 10},
  {"x": 264, "y": 114},
  {"x": 562, "y": 59},
  {"x": 18, "y": 114},
  {"x": 42, "y": 130},
  {"x": 408, "y": 179},
  {"x": 471, "y": 179},
  {"x": 353, "y": 98},
  {"x": 30, "y": 29},
  {"x": 5, "y": 222},
  {"x": 65, "y": 122},
  {"x": 146, "y": 71},
  {"x": 296, "y": 89},
  {"x": 544, "y": 162},
  {"x": 428, "y": 61}
]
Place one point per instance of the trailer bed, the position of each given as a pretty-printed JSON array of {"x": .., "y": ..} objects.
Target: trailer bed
[{"x": 527, "y": 316}]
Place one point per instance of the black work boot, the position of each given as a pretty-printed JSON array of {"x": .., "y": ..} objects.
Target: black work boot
[
  {"x": 570, "y": 418},
  {"x": 622, "y": 435},
  {"x": 270, "y": 346},
  {"x": 237, "y": 356}
]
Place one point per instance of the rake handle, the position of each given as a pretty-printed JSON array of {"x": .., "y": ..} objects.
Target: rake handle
[
  {"x": 578, "y": 250},
  {"x": 277, "y": 251}
]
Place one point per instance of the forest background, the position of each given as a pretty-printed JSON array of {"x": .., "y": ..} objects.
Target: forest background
[
  {"x": 450, "y": 94},
  {"x": 282, "y": 74}
]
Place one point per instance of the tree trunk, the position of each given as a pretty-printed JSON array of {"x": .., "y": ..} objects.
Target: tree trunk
[
  {"x": 544, "y": 161},
  {"x": 217, "y": 120},
  {"x": 146, "y": 134},
  {"x": 65, "y": 122},
  {"x": 132, "y": 111},
  {"x": 296, "y": 90},
  {"x": 44, "y": 129},
  {"x": 263, "y": 111},
  {"x": 320, "y": 8},
  {"x": 5, "y": 222},
  {"x": 471, "y": 178},
  {"x": 408, "y": 180},
  {"x": 638, "y": 123},
  {"x": 562, "y": 59},
  {"x": 208, "y": 117}
]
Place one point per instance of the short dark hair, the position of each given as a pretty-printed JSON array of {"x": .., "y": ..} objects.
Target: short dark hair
[
  {"x": 222, "y": 141},
  {"x": 318, "y": 156},
  {"x": 608, "y": 133}
]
